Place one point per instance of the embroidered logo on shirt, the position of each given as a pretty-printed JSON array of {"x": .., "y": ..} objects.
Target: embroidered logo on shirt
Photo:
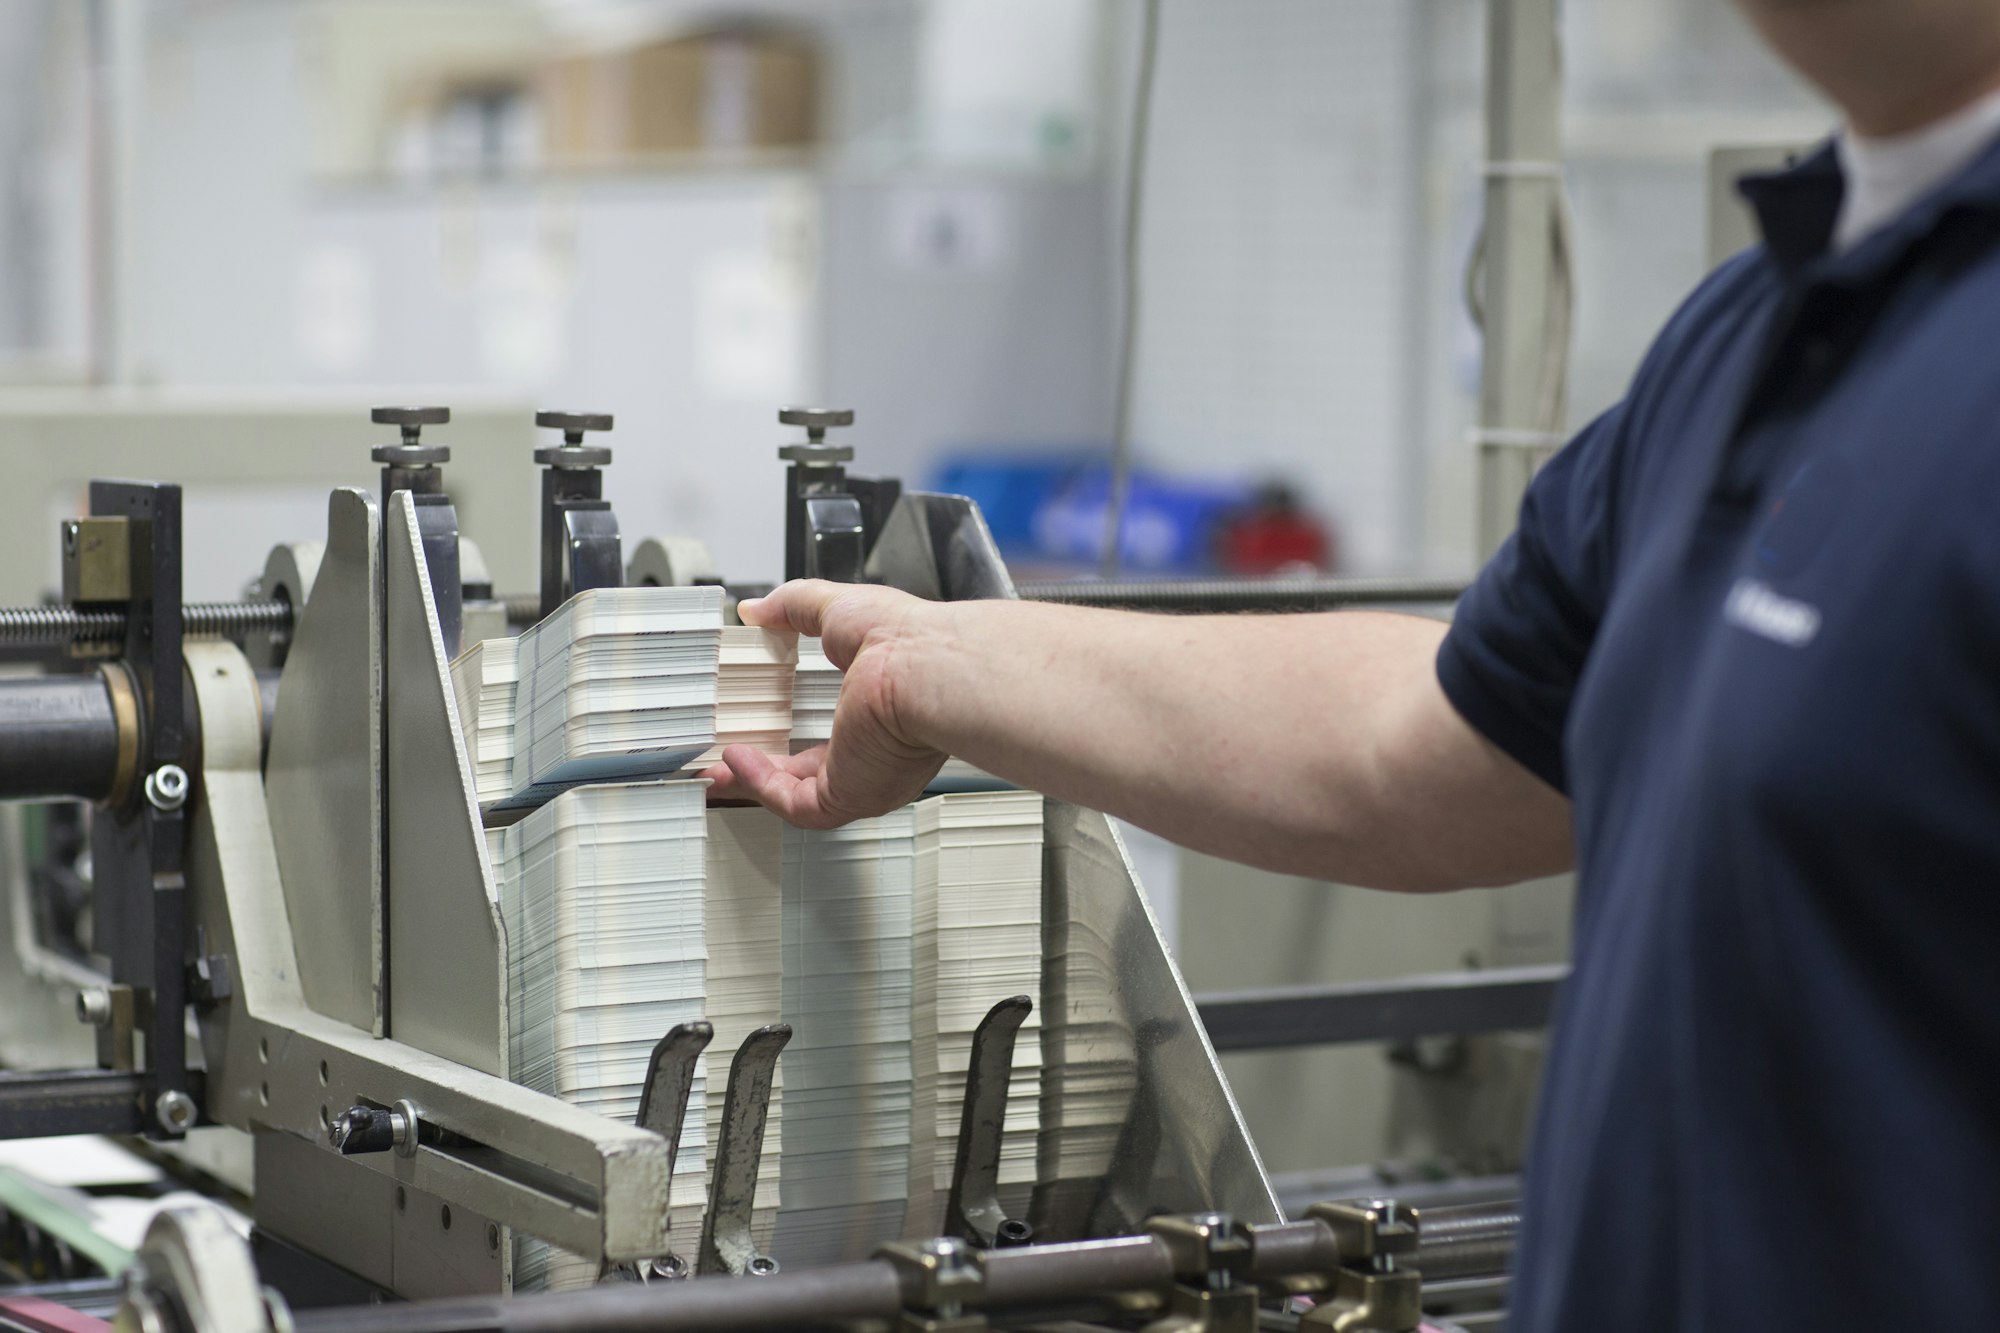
[{"x": 1754, "y": 606}]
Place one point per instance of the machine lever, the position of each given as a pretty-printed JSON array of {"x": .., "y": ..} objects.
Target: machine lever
[
  {"x": 726, "y": 1243},
  {"x": 973, "y": 1212},
  {"x": 663, "y": 1097}
]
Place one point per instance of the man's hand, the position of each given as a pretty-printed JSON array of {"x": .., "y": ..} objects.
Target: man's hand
[{"x": 873, "y": 764}]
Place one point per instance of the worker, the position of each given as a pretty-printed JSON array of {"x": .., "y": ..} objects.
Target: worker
[{"x": 1739, "y": 665}]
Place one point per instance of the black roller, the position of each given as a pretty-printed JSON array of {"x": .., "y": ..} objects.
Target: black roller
[{"x": 58, "y": 737}]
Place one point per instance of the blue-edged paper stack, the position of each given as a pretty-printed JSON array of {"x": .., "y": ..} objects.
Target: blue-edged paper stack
[{"x": 617, "y": 684}]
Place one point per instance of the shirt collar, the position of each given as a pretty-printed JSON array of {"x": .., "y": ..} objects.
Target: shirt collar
[{"x": 1798, "y": 207}]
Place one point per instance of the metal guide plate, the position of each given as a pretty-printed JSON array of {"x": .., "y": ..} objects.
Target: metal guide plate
[
  {"x": 446, "y": 945},
  {"x": 324, "y": 777}
]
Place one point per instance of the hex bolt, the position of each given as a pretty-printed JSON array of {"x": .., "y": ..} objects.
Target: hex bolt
[
  {"x": 1384, "y": 1262},
  {"x": 175, "y": 1111},
  {"x": 167, "y": 787}
]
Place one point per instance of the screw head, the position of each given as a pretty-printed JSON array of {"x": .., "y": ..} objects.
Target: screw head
[
  {"x": 167, "y": 787},
  {"x": 411, "y": 455},
  {"x": 175, "y": 1111},
  {"x": 574, "y": 421},
  {"x": 573, "y": 457},
  {"x": 410, "y": 416},
  {"x": 817, "y": 455},
  {"x": 816, "y": 418},
  {"x": 93, "y": 1006}
]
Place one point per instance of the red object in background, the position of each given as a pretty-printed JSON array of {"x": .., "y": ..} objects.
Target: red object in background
[
  {"x": 1273, "y": 535},
  {"x": 32, "y": 1312}
]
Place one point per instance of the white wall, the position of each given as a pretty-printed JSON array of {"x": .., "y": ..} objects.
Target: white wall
[{"x": 1277, "y": 253}]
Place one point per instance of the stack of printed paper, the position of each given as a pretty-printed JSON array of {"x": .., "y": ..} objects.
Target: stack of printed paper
[
  {"x": 616, "y": 684},
  {"x": 483, "y": 678},
  {"x": 815, "y": 693},
  {"x": 847, "y": 919},
  {"x": 978, "y": 940},
  {"x": 753, "y": 693},
  {"x": 601, "y": 891},
  {"x": 745, "y": 974}
]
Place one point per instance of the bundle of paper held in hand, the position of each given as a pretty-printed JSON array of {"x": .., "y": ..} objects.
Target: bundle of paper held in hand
[
  {"x": 815, "y": 694},
  {"x": 617, "y": 684},
  {"x": 753, "y": 692}
]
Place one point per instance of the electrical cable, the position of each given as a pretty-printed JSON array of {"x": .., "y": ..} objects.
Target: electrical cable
[{"x": 1135, "y": 188}]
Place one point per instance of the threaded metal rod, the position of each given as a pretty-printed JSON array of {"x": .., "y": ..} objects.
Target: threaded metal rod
[
  {"x": 53, "y": 626},
  {"x": 1473, "y": 1240},
  {"x": 1217, "y": 596}
]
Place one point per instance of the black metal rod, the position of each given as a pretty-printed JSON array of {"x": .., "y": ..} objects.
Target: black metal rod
[
  {"x": 1058, "y": 1275},
  {"x": 41, "y": 1103},
  {"x": 1500, "y": 1000},
  {"x": 58, "y": 737},
  {"x": 1222, "y": 596},
  {"x": 810, "y": 1299}
]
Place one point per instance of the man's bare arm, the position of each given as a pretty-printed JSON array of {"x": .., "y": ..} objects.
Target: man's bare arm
[{"x": 1315, "y": 745}]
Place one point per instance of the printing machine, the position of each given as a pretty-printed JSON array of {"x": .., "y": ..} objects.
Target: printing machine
[{"x": 293, "y": 933}]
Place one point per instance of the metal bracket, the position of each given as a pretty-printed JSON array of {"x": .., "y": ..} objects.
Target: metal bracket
[
  {"x": 138, "y": 849},
  {"x": 590, "y": 534},
  {"x": 1212, "y": 1255},
  {"x": 940, "y": 1279},
  {"x": 726, "y": 1244},
  {"x": 1371, "y": 1289},
  {"x": 836, "y": 539},
  {"x": 973, "y": 1211},
  {"x": 577, "y": 521}
]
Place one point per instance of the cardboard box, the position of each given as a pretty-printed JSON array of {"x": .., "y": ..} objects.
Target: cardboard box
[{"x": 714, "y": 92}]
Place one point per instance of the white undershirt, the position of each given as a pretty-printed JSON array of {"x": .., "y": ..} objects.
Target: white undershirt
[{"x": 1886, "y": 176}]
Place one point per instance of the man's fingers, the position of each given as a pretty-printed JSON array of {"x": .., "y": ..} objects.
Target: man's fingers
[
  {"x": 799, "y": 605},
  {"x": 788, "y": 787}
]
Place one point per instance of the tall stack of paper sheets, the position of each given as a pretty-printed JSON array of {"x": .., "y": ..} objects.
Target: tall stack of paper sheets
[
  {"x": 977, "y": 941},
  {"x": 847, "y": 920},
  {"x": 743, "y": 921},
  {"x": 753, "y": 693},
  {"x": 602, "y": 893},
  {"x": 616, "y": 684},
  {"x": 483, "y": 679},
  {"x": 815, "y": 693}
]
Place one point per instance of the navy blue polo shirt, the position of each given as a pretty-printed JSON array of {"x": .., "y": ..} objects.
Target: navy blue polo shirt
[{"x": 1750, "y": 624}]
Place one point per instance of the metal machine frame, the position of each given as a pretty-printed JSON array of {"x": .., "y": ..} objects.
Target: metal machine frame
[{"x": 351, "y": 955}]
